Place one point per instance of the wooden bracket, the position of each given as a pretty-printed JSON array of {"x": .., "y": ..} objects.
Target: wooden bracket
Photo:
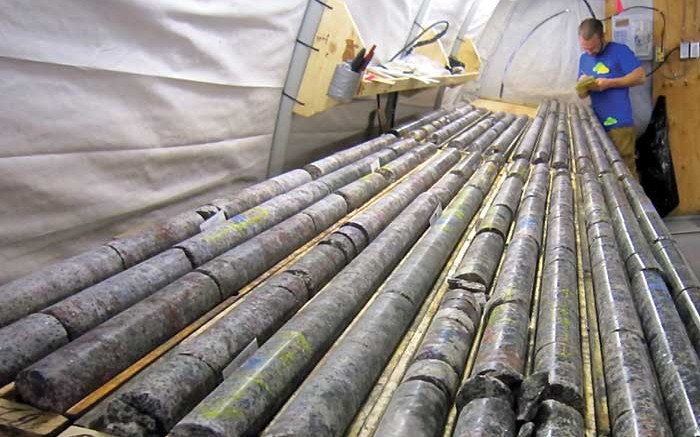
[
  {"x": 468, "y": 55},
  {"x": 338, "y": 40}
]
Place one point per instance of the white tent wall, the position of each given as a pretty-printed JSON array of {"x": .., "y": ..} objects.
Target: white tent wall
[
  {"x": 117, "y": 113},
  {"x": 547, "y": 63},
  {"x": 482, "y": 14}
]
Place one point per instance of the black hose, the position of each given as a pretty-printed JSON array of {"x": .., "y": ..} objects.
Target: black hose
[
  {"x": 590, "y": 9},
  {"x": 662, "y": 62},
  {"x": 415, "y": 43}
]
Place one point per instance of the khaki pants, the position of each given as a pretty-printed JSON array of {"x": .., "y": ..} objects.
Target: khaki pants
[{"x": 625, "y": 139}]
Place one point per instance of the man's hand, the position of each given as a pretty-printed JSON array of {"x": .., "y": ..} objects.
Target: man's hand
[
  {"x": 582, "y": 91},
  {"x": 601, "y": 84},
  {"x": 636, "y": 77}
]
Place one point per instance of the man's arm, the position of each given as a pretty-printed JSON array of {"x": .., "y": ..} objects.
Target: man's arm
[{"x": 634, "y": 78}]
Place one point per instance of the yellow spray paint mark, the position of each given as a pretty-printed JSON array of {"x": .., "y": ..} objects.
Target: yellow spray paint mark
[
  {"x": 498, "y": 315},
  {"x": 509, "y": 294},
  {"x": 227, "y": 408},
  {"x": 237, "y": 224}
]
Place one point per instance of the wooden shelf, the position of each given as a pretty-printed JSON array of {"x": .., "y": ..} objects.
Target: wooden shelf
[
  {"x": 370, "y": 88},
  {"x": 338, "y": 39},
  {"x": 499, "y": 105}
]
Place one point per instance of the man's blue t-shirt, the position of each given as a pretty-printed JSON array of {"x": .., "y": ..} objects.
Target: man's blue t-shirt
[{"x": 612, "y": 106}]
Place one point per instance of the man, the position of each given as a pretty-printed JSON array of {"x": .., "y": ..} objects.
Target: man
[{"x": 615, "y": 69}]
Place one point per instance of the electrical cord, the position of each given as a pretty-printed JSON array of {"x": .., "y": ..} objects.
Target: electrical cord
[
  {"x": 663, "y": 62},
  {"x": 416, "y": 43},
  {"x": 674, "y": 75}
]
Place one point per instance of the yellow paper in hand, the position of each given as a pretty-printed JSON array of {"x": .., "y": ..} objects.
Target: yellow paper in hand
[{"x": 583, "y": 84}]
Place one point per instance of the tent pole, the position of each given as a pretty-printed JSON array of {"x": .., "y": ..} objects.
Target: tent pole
[
  {"x": 295, "y": 74},
  {"x": 417, "y": 27},
  {"x": 457, "y": 44}
]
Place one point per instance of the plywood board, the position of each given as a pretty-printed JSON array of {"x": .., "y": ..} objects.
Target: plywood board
[
  {"x": 683, "y": 106},
  {"x": 468, "y": 55},
  {"x": 77, "y": 431},
  {"x": 23, "y": 420},
  {"x": 434, "y": 51},
  {"x": 337, "y": 39},
  {"x": 682, "y": 99},
  {"x": 495, "y": 105},
  {"x": 369, "y": 88}
]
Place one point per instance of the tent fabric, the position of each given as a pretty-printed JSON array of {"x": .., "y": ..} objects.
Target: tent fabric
[{"x": 117, "y": 113}]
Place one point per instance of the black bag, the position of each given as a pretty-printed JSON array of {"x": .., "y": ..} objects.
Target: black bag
[{"x": 654, "y": 163}]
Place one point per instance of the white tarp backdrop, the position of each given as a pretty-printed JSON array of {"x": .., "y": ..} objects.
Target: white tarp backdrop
[{"x": 118, "y": 113}]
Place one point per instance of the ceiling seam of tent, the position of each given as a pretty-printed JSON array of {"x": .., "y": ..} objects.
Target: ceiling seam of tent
[{"x": 134, "y": 73}]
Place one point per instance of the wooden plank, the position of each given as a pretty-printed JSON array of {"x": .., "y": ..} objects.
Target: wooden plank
[
  {"x": 337, "y": 39},
  {"x": 434, "y": 51},
  {"x": 77, "y": 431},
  {"x": 496, "y": 105},
  {"x": 684, "y": 139},
  {"x": 370, "y": 88},
  {"x": 22, "y": 420},
  {"x": 469, "y": 56},
  {"x": 682, "y": 99},
  {"x": 7, "y": 390}
]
